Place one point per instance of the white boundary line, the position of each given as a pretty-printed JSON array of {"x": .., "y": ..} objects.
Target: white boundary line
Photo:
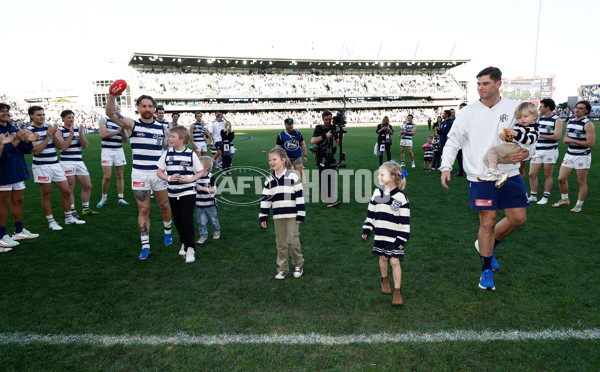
[{"x": 301, "y": 339}]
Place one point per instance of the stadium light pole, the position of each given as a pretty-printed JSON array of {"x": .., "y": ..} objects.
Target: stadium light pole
[{"x": 537, "y": 38}]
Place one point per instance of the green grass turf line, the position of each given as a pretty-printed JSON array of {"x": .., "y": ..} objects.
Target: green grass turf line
[{"x": 87, "y": 279}]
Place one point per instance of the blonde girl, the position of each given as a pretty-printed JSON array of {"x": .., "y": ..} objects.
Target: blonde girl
[
  {"x": 389, "y": 215},
  {"x": 283, "y": 193}
]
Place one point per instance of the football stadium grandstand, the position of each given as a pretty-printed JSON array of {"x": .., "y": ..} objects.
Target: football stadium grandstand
[
  {"x": 257, "y": 92},
  {"x": 590, "y": 93}
]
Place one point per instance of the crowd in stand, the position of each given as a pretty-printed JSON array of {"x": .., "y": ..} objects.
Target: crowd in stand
[
  {"x": 301, "y": 85},
  {"x": 275, "y": 118},
  {"x": 590, "y": 93},
  {"x": 84, "y": 115}
]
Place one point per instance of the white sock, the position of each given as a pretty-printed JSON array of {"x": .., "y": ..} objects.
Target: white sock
[
  {"x": 564, "y": 196},
  {"x": 50, "y": 218},
  {"x": 579, "y": 203},
  {"x": 104, "y": 197}
]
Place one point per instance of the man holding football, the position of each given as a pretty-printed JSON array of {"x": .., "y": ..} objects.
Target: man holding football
[{"x": 146, "y": 136}]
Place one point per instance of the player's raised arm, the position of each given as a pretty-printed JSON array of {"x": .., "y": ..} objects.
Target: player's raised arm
[{"x": 111, "y": 111}]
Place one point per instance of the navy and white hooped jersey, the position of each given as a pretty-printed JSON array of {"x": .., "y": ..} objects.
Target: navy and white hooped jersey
[
  {"x": 185, "y": 163},
  {"x": 284, "y": 194},
  {"x": 146, "y": 145},
  {"x": 73, "y": 153},
  {"x": 428, "y": 151},
  {"x": 409, "y": 128},
  {"x": 164, "y": 122},
  {"x": 576, "y": 130},
  {"x": 547, "y": 128},
  {"x": 48, "y": 155},
  {"x": 291, "y": 143},
  {"x": 198, "y": 134},
  {"x": 114, "y": 142},
  {"x": 388, "y": 215},
  {"x": 205, "y": 199}
]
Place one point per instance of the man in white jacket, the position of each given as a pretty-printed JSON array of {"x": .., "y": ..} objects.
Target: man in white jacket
[{"x": 475, "y": 130}]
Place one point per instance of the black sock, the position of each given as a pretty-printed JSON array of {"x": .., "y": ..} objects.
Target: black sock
[{"x": 486, "y": 263}]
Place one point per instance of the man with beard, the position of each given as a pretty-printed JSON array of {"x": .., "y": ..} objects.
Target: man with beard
[{"x": 146, "y": 136}]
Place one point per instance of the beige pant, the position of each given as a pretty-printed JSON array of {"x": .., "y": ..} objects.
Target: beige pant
[
  {"x": 499, "y": 154},
  {"x": 287, "y": 236}
]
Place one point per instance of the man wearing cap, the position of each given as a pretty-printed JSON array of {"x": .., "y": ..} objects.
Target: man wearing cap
[{"x": 293, "y": 143}]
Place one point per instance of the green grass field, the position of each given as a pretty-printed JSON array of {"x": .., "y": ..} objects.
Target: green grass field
[{"x": 86, "y": 282}]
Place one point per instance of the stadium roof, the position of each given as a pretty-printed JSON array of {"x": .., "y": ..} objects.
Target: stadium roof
[{"x": 145, "y": 60}]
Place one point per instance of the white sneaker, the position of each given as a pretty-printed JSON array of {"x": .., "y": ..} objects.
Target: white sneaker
[
  {"x": 543, "y": 201},
  {"x": 413, "y": 165},
  {"x": 576, "y": 209},
  {"x": 298, "y": 271},
  {"x": 74, "y": 221},
  {"x": 182, "y": 250},
  {"x": 502, "y": 177},
  {"x": 280, "y": 275},
  {"x": 190, "y": 255},
  {"x": 25, "y": 234},
  {"x": 3, "y": 250},
  {"x": 533, "y": 199},
  {"x": 8, "y": 242},
  {"x": 216, "y": 234},
  {"x": 489, "y": 175},
  {"x": 560, "y": 203},
  {"x": 202, "y": 240},
  {"x": 54, "y": 226}
]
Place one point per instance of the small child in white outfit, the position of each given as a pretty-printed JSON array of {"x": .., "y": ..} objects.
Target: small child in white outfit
[{"x": 521, "y": 137}]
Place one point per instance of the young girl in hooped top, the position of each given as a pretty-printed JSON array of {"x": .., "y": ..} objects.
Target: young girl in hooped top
[
  {"x": 283, "y": 192},
  {"x": 389, "y": 215}
]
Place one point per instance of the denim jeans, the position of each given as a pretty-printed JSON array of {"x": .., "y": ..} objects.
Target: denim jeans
[{"x": 205, "y": 215}]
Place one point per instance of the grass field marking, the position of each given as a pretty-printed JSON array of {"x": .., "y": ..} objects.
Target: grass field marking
[{"x": 18, "y": 338}]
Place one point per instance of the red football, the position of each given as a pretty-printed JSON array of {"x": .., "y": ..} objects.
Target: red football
[{"x": 117, "y": 87}]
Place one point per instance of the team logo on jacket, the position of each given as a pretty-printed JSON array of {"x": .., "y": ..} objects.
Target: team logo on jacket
[
  {"x": 292, "y": 145},
  {"x": 395, "y": 205}
]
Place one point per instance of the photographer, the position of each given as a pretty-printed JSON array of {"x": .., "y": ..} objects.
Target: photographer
[
  {"x": 384, "y": 139},
  {"x": 324, "y": 137}
]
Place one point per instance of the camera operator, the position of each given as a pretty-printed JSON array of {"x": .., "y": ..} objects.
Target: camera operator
[
  {"x": 324, "y": 137},
  {"x": 384, "y": 139}
]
